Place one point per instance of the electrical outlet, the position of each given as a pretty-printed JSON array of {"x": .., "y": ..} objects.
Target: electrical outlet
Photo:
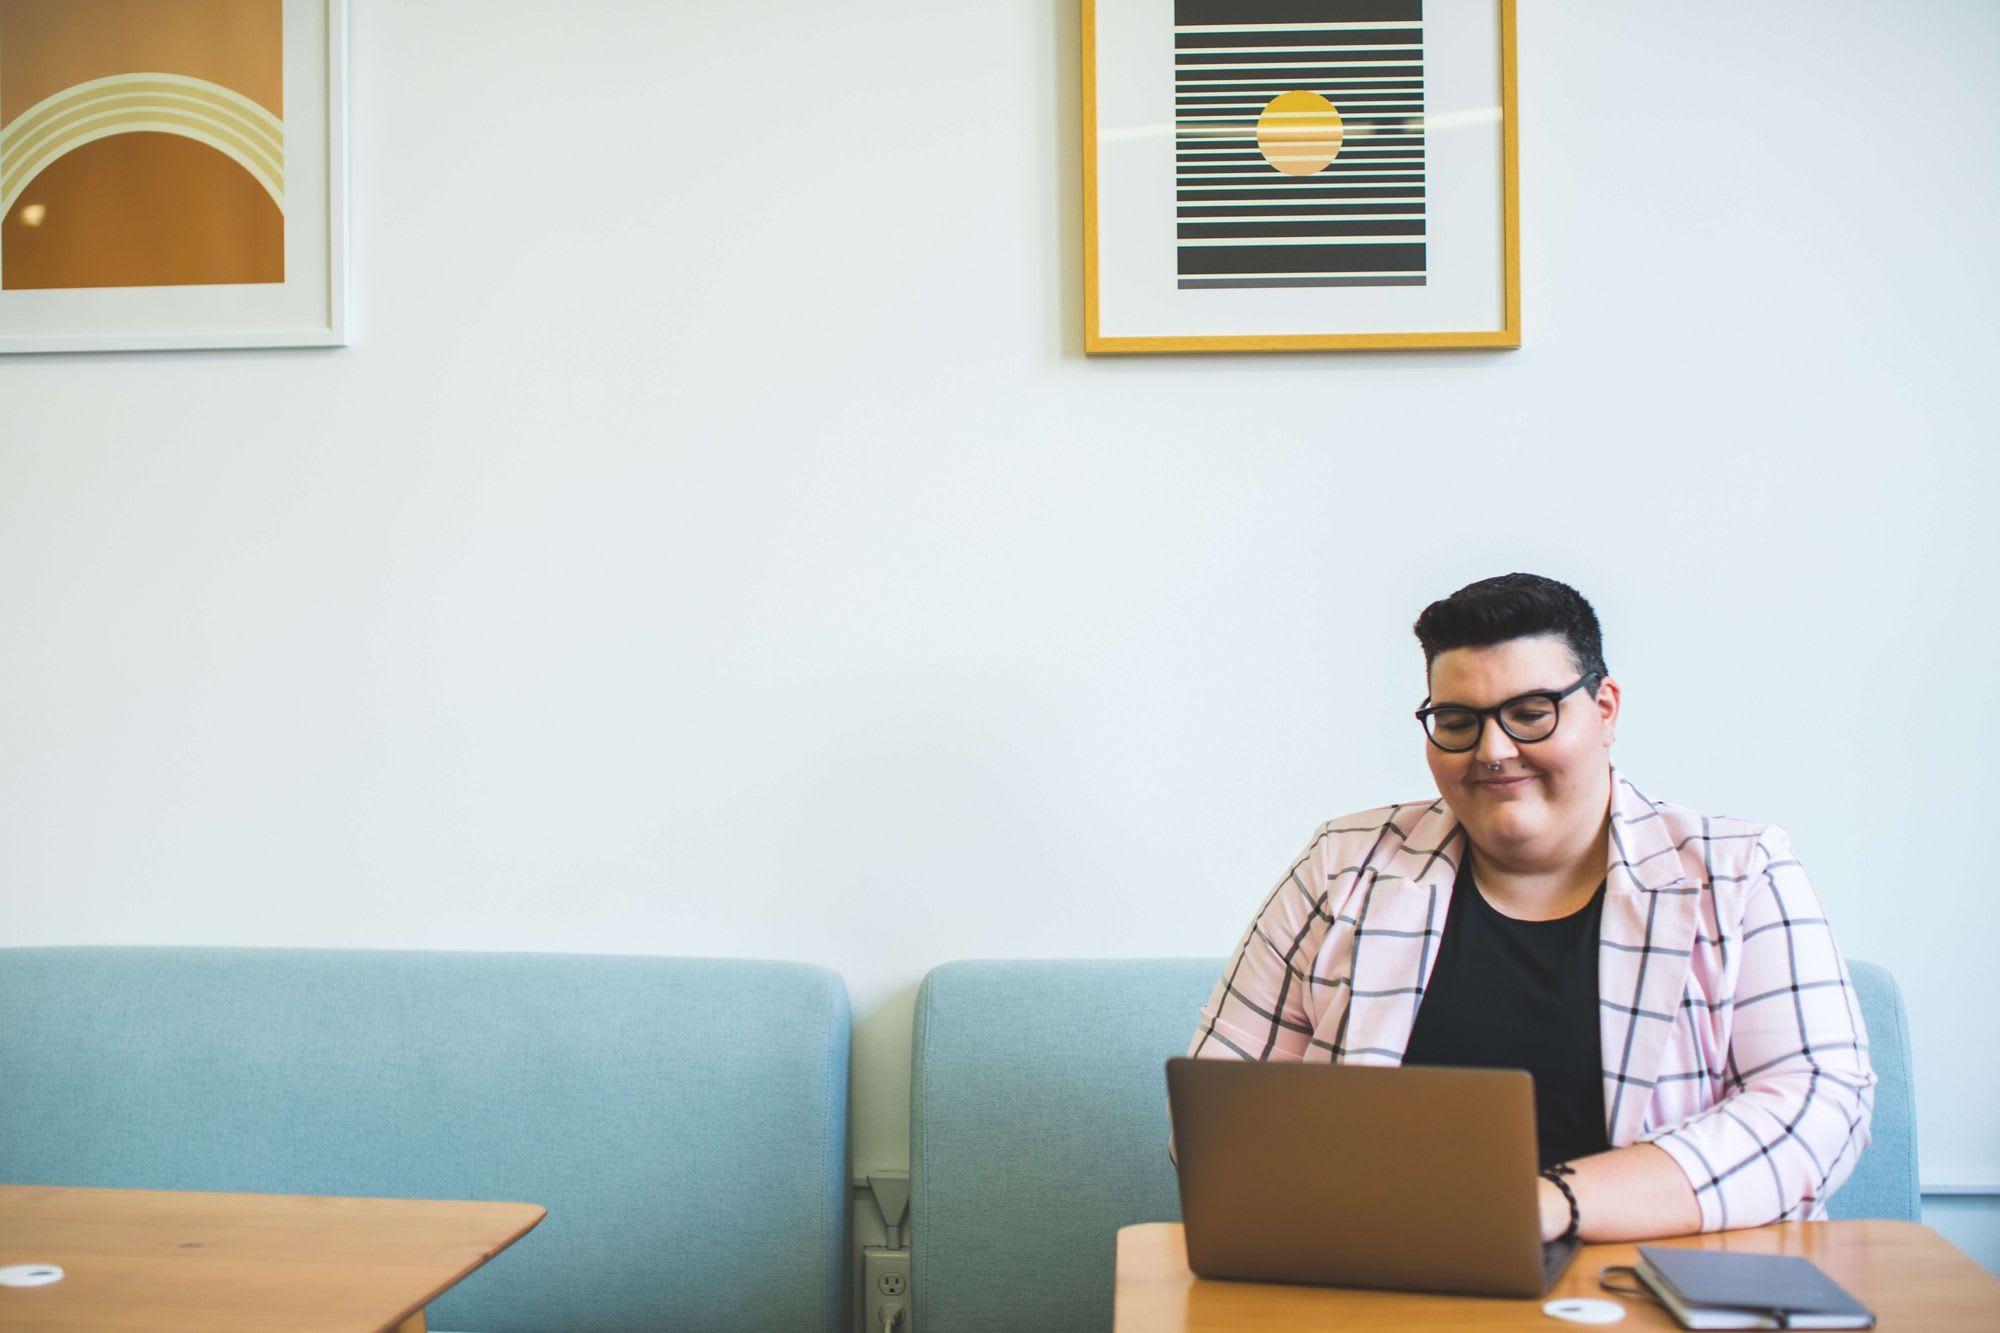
[{"x": 885, "y": 1285}]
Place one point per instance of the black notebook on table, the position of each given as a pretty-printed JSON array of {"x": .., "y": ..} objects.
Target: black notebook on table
[{"x": 1716, "y": 1289}]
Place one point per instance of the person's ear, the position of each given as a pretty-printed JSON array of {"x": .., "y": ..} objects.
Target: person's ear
[{"x": 1608, "y": 700}]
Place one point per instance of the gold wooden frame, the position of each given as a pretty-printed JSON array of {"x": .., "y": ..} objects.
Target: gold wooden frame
[{"x": 1507, "y": 336}]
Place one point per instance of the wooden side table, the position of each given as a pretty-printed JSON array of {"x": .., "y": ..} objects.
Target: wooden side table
[
  {"x": 1915, "y": 1280},
  {"x": 179, "y": 1262}
]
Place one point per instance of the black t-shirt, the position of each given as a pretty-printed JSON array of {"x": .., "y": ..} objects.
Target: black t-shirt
[{"x": 1508, "y": 994}]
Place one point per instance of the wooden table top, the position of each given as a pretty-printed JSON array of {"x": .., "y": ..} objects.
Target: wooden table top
[
  {"x": 176, "y": 1262},
  {"x": 1914, "y": 1279}
]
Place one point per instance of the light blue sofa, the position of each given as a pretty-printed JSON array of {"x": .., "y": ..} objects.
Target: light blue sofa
[
  {"x": 682, "y": 1119},
  {"x": 1038, "y": 1127}
]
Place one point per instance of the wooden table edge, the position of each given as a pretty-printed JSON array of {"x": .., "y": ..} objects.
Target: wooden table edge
[{"x": 412, "y": 1319}]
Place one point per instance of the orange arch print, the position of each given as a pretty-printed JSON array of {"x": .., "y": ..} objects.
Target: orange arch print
[{"x": 141, "y": 143}]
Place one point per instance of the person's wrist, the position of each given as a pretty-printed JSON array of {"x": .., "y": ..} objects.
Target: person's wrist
[
  {"x": 1560, "y": 1214},
  {"x": 1555, "y": 1208}
]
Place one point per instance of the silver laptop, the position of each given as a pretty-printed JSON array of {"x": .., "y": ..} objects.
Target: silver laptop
[{"x": 1342, "y": 1176}]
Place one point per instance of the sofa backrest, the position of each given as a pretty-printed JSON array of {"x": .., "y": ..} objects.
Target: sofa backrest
[
  {"x": 1038, "y": 1127},
  {"x": 683, "y": 1120},
  {"x": 1884, "y": 1183}
]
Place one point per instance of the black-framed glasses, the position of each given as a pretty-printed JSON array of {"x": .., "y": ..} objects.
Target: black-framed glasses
[{"x": 1528, "y": 718}]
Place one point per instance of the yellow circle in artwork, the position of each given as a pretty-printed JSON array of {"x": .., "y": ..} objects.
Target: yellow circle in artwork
[{"x": 1299, "y": 133}]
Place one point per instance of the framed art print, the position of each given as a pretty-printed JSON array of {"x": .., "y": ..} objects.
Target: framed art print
[
  {"x": 1299, "y": 174},
  {"x": 172, "y": 174}
]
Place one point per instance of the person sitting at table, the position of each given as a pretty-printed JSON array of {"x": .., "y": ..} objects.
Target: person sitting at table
[{"x": 1668, "y": 978}]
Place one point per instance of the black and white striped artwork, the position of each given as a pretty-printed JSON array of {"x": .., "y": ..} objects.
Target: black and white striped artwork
[{"x": 1299, "y": 143}]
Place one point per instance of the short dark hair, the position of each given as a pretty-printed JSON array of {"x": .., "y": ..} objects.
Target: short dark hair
[{"x": 1513, "y": 606}]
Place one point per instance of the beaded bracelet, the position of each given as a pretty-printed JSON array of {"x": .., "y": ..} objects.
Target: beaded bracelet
[{"x": 1554, "y": 1175}]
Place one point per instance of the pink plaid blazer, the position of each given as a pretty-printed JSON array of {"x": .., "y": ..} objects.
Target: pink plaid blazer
[{"x": 1732, "y": 1037}]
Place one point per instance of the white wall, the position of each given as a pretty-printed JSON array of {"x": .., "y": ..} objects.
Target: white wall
[{"x": 714, "y": 541}]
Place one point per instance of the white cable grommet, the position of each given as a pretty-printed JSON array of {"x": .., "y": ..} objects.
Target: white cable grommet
[
  {"x": 1584, "y": 1310},
  {"x": 30, "y": 1275}
]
